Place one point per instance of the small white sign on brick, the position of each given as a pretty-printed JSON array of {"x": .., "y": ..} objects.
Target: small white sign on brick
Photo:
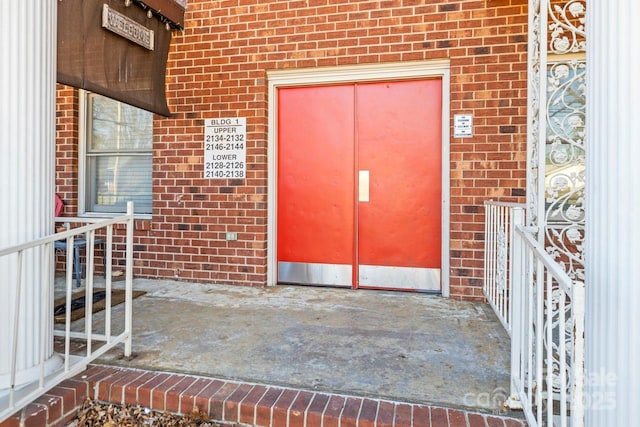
[{"x": 462, "y": 125}]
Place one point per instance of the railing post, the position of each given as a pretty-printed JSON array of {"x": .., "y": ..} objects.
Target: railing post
[
  {"x": 516, "y": 278},
  {"x": 487, "y": 248},
  {"x": 517, "y": 218},
  {"x": 129, "y": 281},
  {"x": 578, "y": 307},
  {"x": 14, "y": 336}
]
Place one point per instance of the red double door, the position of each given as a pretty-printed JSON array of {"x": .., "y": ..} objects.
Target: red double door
[{"x": 359, "y": 185}]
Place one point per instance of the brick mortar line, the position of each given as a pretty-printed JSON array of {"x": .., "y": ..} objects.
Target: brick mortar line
[
  {"x": 255, "y": 405},
  {"x": 289, "y": 409},
  {"x": 344, "y": 406},
  {"x": 324, "y": 409},
  {"x": 124, "y": 386},
  {"x": 226, "y": 399},
  {"x": 272, "y": 405},
  {"x": 306, "y": 410},
  {"x": 180, "y": 401},
  {"x": 168, "y": 391}
]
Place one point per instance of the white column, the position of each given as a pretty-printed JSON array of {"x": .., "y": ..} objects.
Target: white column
[
  {"x": 612, "y": 334},
  {"x": 27, "y": 155}
]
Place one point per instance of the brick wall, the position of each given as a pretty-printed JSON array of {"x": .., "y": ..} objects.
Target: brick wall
[
  {"x": 67, "y": 147},
  {"x": 217, "y": 68}
]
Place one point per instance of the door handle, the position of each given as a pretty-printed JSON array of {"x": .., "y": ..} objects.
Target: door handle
[{"x": 363, "y": 186}]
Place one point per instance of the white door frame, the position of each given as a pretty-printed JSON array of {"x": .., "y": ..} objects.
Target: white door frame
[{"x": 354, "y": 74}]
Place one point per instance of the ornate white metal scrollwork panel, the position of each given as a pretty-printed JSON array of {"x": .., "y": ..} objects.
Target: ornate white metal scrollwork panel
[
  {"x": 565, "y": 165},
  {"x": 564, "y": 173},
  {"x": 557, "y": 335},
  {"x": 501, "y": 269},
  {"x": 556, "y": 174},
  {"x": 560, "y": 302},
  {"x": 556, "y": 152},
  {"x": 567, "y": 26}
]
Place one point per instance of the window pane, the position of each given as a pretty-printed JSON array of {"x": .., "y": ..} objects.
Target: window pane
[
  {"x": 118, "y": 156},
  {"x": 118, "y": 179},
  {"x": 116, "y": 126}
]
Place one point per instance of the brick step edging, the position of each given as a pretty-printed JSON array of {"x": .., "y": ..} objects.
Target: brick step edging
[{"x": 238, "y": 402}]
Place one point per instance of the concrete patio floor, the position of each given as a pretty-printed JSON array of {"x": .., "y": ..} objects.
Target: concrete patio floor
[{"x": 393, "y": 345}]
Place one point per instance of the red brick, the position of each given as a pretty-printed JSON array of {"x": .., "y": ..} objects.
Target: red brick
[
  {"x": 35, "y": 415},
  {"x": 158, "y": 394},
  {"x": 67, "y": 398},
  {"x": 95, "y": 373},
  {"x": 188, "y": 396},
  {"x": 456, "y": 417},
  {"x": 265, "y": 405},
  {"x": 105, "y": 385},
  {"x": 403, "y": 416},
  {"x": 80, "y": 391},
  {"x": 509, "y": 422},
  {"x": 117, "y": 389},
  {"x": 316, "y": 409},
  {"x": 53, "y": 405},
  {"x": 173, "y": 395},
  {"x": 203, "y": 397},
  {"x": 331, "y": 416},
  {"x": 131, "y": 389},
  {"x": 281, "y": 407},
  {"x": 495, "y": 422},
  {"x": 350, "y": 413},
  {"x": 439, "y": 417},
  {"x": 368, "y": 413},
  {"x": 476, "y": 420},
  {"x": 421, "y": 416},
  {"x": 145, "y": 390},
  {"x": 13, "y": 421},
  {"x": 386, "y": 414},
  {"x": 232, "y": 403},
  {"x": 298, "y": 410},
  {"x": 216, "y": 402},
  {"x": 248, "y": 405}
]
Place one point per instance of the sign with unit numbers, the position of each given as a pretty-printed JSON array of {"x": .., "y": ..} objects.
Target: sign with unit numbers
[{"x": 225, "y": 148}]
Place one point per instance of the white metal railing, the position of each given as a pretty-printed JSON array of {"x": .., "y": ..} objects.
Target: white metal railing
[
  {"x": 542, "y": 309},
  {"x": 75, "y": 361},
  {"x": 500, "y": 220},
  {"x": 547, "y": 338}
]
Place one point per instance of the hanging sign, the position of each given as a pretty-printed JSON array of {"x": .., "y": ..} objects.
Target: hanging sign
[
  {"x": 126, "y": 27},
  {"x": 225, "y": 148},
  {"x": 462, "y": 125}
]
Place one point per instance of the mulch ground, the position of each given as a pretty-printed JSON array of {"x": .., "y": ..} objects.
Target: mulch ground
[{"x": 96, "y": 414}]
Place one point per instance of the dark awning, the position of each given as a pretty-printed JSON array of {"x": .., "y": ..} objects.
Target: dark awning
[
  {"x": 173, "y": 10},
  {"x": 116, "y": 50}
]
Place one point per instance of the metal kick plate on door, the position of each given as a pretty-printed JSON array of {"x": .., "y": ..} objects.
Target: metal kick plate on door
[{"x": 363, "y": 186}]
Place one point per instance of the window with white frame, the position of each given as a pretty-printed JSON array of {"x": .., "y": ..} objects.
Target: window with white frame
[{"x": 117, "y": 157}]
